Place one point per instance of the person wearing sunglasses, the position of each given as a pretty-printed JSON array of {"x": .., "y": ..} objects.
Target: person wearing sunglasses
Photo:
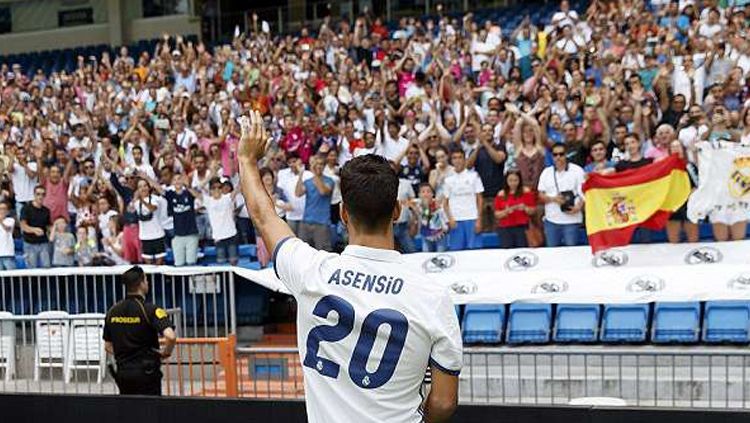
[
  {"x": 560, "y": 192},
  {"x": 35, "y": 220}
]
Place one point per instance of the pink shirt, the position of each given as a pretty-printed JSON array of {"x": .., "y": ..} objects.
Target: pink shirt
[
  {"x": 656, "y": 153},
  {"x": 228, "y": 150},
  {"x": 56, "y": 199}
]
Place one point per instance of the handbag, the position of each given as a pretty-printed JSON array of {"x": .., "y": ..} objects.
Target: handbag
[{"x": 534, "y": 235}]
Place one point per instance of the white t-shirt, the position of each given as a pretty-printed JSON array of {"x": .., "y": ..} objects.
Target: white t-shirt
[
  {"x": 461, "y": 190},
  {"x": 152, "y": 228},
  {"x": 287, "y": 182},
  {"x": 186, "y": 138},
  {"x": 405, "y": 192},
  {"x": 103, "y": 219},
  {"x": 221, "y": 216},
  {"x": 7, "y": 247},
  {"x": 567, "y": 180},
  {"x": 396, "y": 320},
  {"x": 23, "y": 185}
]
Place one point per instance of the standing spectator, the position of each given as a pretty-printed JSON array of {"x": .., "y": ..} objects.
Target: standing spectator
[
  {"x": 560, "y": 191},
  {"x": 85, "y": 247},
  {"x": 199, "y": 182},
  {"x": 181, "y": 206},
  {"x": 635, "y": 157},
  {"x": 35, "y": 221},
  {"x": 415, "y": 167},
  {"x": 63, "y": 244},
  {"x": 463, "y": 192},
  {"x": 599, "y": 162},
  {"x": 287, "y": 181},
  {"x": 220, "y": 209},
  {"x": 401, "y": 232},
  {"x": 24, "y": 177},
  {"x": 514, "y": 205},
  {"x": 55, "y": 182},
  {"x": 148, "y": 208},
  {"x": 316, "y": 219},
  {"x": 113, "y": 244},
  {"x": 282, "y": 206},
  {"x": 442, "y": 170},
  {"x": 678, "y": 221},
  {"x": 7, "y": 246},
  {"x": 488, "y": 160},
  {"x": 431, "y": 219}
]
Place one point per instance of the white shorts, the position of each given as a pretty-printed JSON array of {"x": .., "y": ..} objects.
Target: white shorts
[{"x": 728, "y": 216}]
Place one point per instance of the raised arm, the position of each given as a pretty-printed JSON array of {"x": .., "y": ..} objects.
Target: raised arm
[{"x": 261, "y": 208}]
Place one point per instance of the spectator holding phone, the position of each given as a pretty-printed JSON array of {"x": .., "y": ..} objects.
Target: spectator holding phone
[{"x": 514, "y": 205}]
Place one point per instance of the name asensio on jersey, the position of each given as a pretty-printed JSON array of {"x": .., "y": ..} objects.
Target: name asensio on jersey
[{"x": 370, "y": 283}]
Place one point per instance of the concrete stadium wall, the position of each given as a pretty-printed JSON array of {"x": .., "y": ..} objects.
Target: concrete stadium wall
[
  {"x": 97, "y": 409},
  {"x": 116, "y": 22},
  {"x": 54, "y": 39}
]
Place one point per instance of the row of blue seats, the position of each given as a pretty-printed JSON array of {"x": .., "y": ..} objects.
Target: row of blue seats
[{"x": 660, "y": 323}]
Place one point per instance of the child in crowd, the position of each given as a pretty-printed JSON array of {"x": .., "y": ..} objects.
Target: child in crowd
[
  {"x": 7, "y": 247},
  {"x": 431, "y": 219},
  {"x": 63, "y": 243},
  {"x": 85, "y": 248}
]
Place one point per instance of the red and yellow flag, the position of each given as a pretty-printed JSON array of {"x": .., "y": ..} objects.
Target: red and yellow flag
[{"x": 617, "y": 204}]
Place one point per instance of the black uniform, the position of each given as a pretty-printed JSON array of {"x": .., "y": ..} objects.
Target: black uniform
[{"x": 133, "y": 327}]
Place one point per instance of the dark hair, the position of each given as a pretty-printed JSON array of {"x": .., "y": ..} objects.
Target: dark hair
[
  {"x": 133, "y": 277},
  {"x": 368, "y": 189},
  {"x": 558, "y": 145},
  {"x": 519, "y": 190},
  {"x": 266, "y": 171},
  {"x": 137, "y": 147}
]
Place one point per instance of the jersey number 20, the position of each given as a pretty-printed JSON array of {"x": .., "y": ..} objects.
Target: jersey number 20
[{"x": 357, "y": 371}]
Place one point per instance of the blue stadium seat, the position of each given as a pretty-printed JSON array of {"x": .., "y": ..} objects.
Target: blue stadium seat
[
  {"x": 529, "y": 323},
  {"x": 676, "y": 322},
  {"x": 576, "y": 323},
  {"x": 625, "y": 322},
  {"x": 483, "y": 323},
  {"x": 726, "y": 321},
  {"x": 247, "y": 250}
]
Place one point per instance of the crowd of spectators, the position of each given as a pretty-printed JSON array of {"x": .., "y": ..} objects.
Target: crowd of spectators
[{"x": 488, "y": 128}]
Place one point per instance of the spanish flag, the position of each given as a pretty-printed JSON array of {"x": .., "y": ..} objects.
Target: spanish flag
[{"x": 617, "y": 204}]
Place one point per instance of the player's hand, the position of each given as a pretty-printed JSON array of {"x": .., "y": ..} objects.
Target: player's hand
[
  {"x": 452, "y": 223},
  {"x": 253, "y": 139},
  {"x": 478, "y": 226}
]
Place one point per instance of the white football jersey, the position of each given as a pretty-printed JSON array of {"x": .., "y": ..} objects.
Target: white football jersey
[{"x": 367, "y": 328}]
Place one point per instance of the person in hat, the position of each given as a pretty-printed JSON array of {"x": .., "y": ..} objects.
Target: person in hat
[{"x": 131, "y": 334}]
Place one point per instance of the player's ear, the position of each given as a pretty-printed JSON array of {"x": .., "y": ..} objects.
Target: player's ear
[
  {"x": 344, "y": 214},
  {"x": 396, "y": 212}
]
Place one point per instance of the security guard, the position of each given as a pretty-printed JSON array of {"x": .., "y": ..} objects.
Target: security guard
[{"x": 131, "y": 334}]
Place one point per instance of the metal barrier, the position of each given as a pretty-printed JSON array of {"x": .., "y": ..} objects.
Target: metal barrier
[
  {"x": 203, "y": 367},
  {"x": 693, "y": 377},
  {"x": 642, "y": 376},
  {"x": 269, "y": 373},
  {"x": 205, "y": 295}
]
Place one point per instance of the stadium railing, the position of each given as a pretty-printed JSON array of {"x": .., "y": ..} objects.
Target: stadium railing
[
  {"x": 205, "y": 296},
  {"x": 650, "y": 376}
]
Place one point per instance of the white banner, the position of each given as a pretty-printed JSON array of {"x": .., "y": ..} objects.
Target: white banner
[
  {"x": 724, "y": 181},
  {"x": 632, "y": 274}
]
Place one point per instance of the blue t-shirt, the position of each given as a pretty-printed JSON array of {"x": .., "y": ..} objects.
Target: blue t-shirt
[
  {"x": 317, "y": 205},
  {"x": 181, "y": 206}
]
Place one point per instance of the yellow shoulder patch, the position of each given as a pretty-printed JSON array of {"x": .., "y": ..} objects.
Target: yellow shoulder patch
[{"x": 160, "y": 313}]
